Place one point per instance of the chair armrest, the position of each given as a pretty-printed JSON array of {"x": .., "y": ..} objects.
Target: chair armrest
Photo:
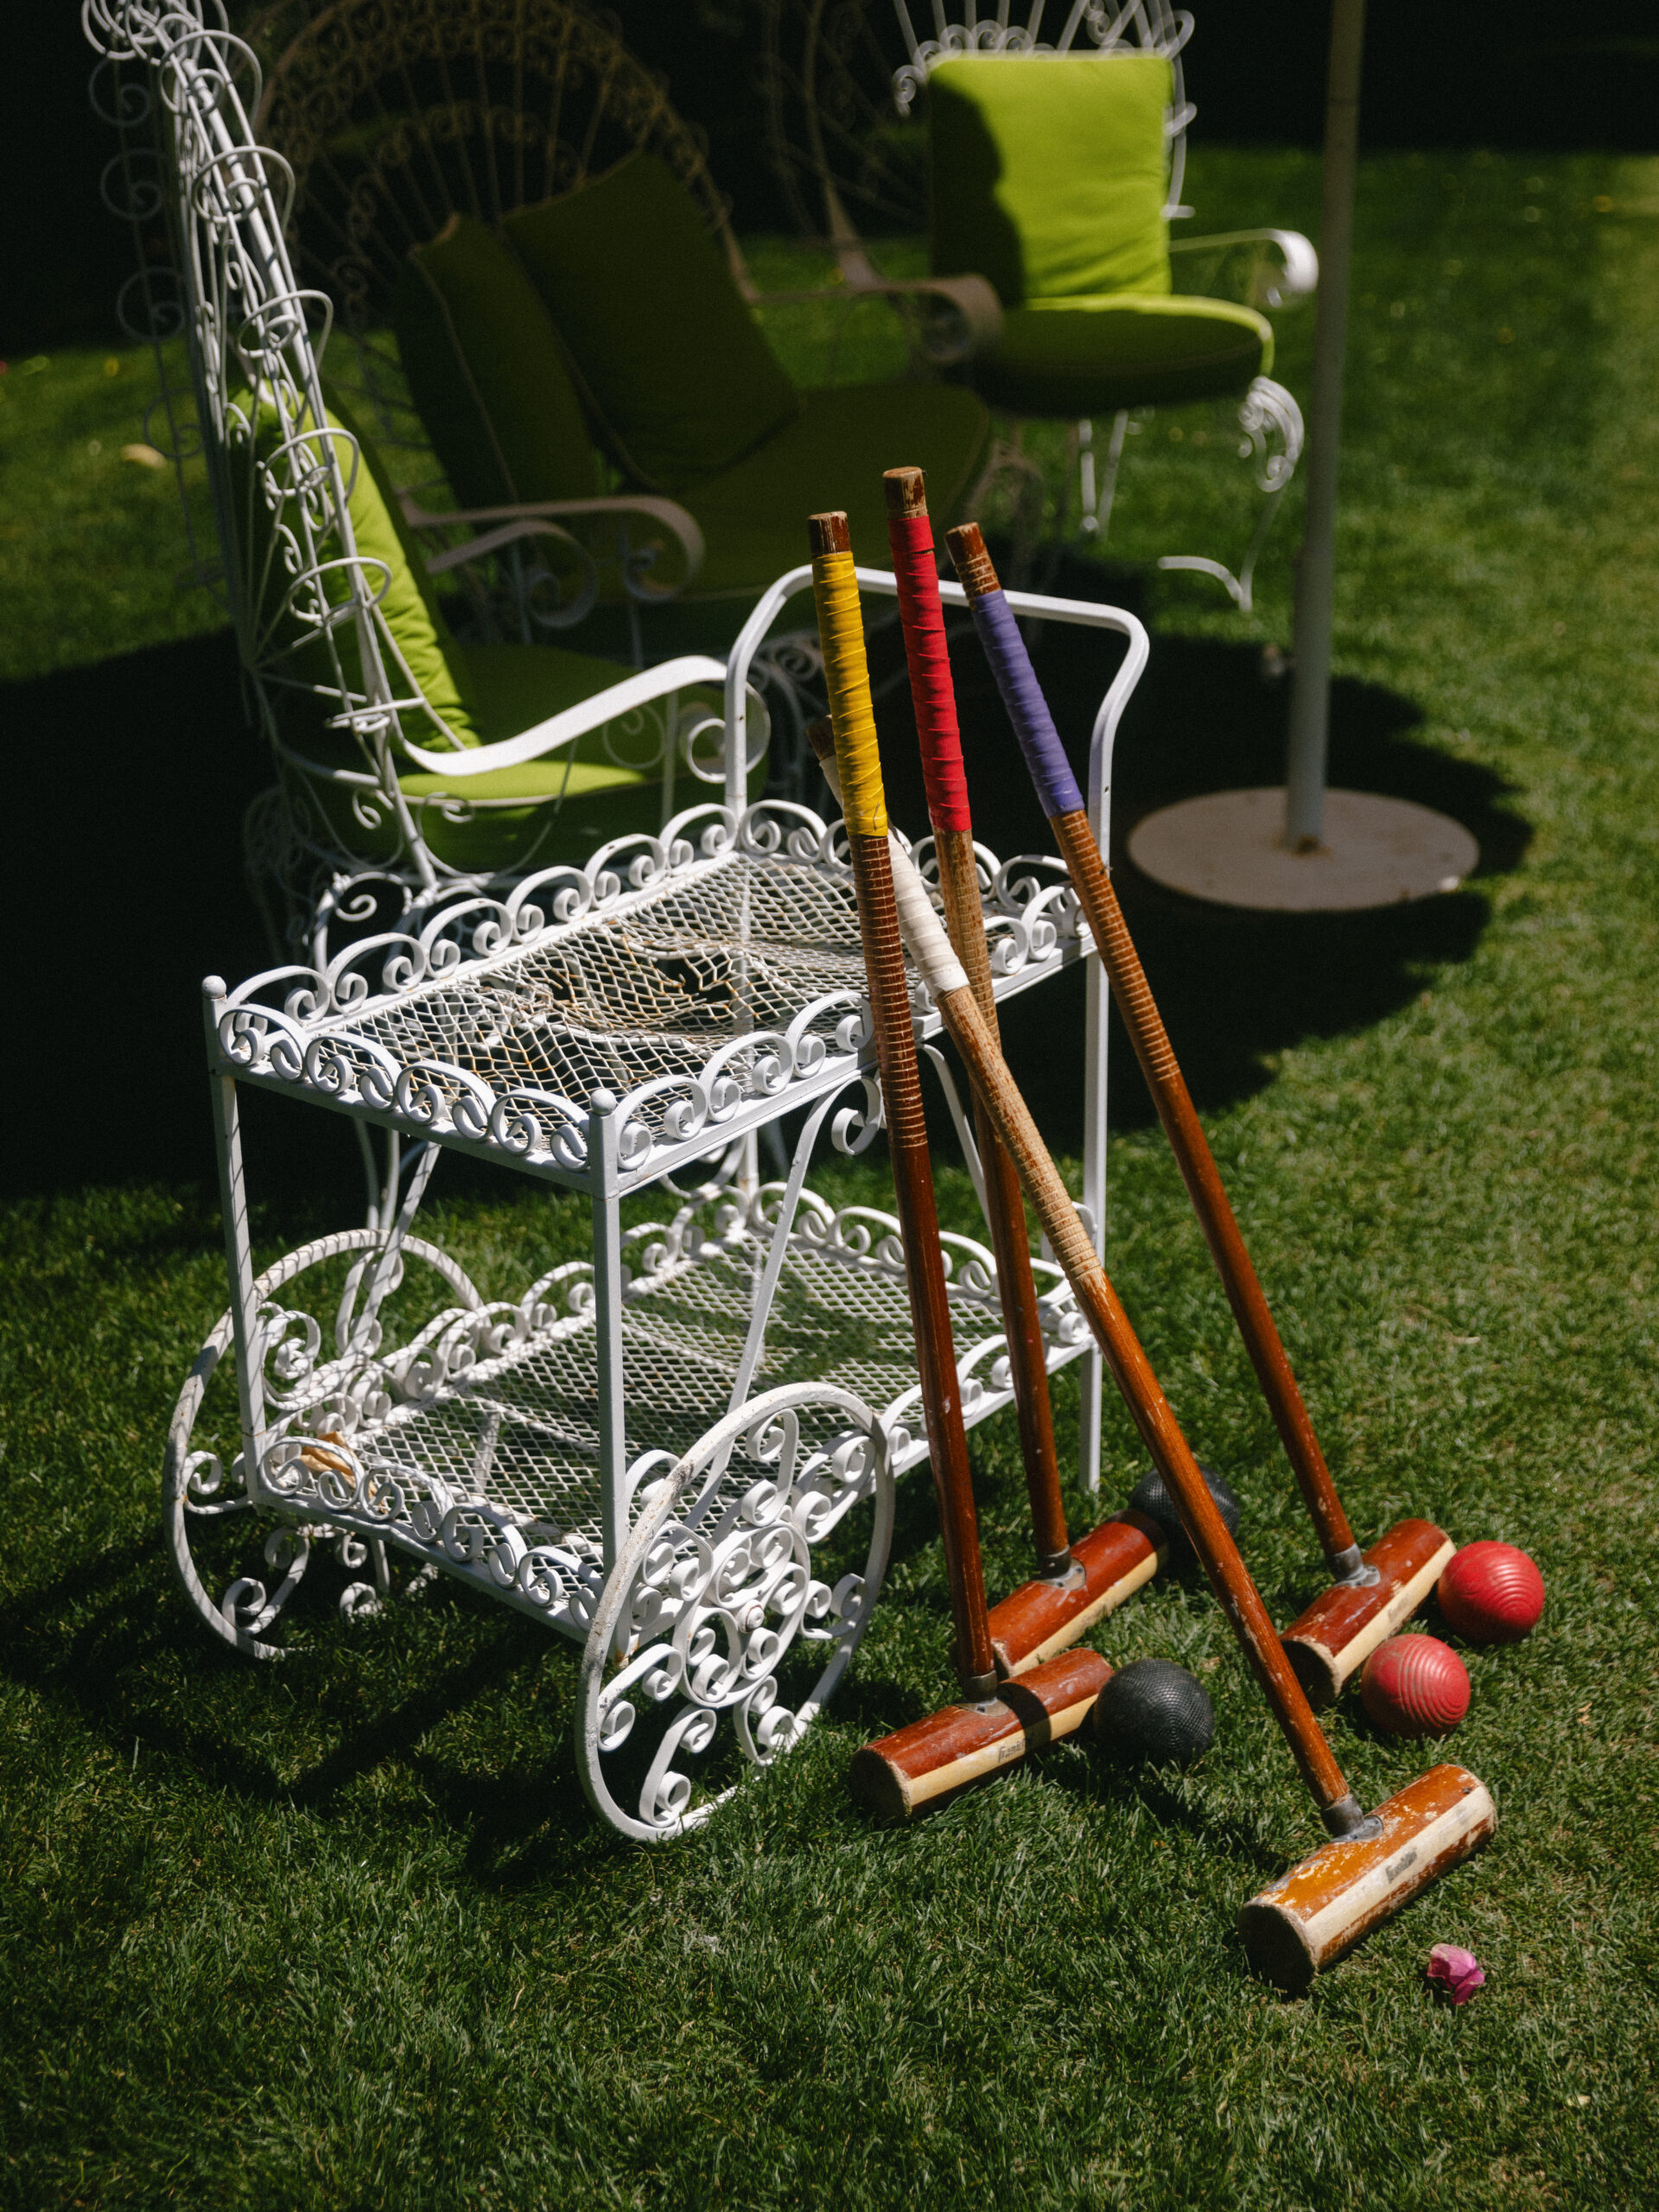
[
  {"x": 1298, "y": 265},
  {"x": 512, "y": 522},
  {"x": 564, "y": 728},
  {"x": 961, "y": 316}
]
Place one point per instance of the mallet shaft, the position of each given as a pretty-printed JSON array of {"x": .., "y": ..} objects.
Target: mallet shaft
[
  {"x": 842, "y": 637},
  {"x": 1108, "y": 1564},
  {"x": 1068, "y": 819},
  {"x": 911, "y": 537},
  {"x": 1131, "y": 1370}
]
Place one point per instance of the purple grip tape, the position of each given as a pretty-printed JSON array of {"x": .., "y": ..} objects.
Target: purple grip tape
[{"x": 1005, "y": 649}]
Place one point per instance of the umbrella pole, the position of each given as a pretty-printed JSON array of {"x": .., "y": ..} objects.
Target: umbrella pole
[{"x": 1310, "y": 698}]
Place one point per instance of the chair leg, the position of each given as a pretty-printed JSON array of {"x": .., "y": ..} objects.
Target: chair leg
[
  {"x": 1086, "y": 476},
  {"x": 1008, "y": 460},
  {"x": 1101, "y": 513},
  {"x": 1267, "y": 413}
]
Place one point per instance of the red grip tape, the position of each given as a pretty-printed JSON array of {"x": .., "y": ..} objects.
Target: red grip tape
[{"x": 930, "y": 687}]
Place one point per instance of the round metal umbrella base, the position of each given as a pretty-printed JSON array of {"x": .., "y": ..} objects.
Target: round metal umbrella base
[{"x": 1230, "y": 846}]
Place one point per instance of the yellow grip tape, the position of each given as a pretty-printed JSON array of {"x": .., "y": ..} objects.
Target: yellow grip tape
[{"x": 846, "y": 676}]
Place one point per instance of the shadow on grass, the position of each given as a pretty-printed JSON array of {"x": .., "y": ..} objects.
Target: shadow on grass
[
  {"x": 109, "y": 1641},
  {"x": 1234, "y": 987}
]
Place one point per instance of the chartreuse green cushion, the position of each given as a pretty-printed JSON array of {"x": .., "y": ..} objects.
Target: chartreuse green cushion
[
  {"x": 559, "y": 808},
  {"x": 488, "y": 373},
  {"x": 1086, "y": 357},
  {"x": 1047, "y": 173},
  {"x": 537, "y": 812},
  {"x": 563, "y": 807},
  {"x": 299, "y": 661},
  {"x": 674, "y": 369},
  {"x": 754, "y": 517}
]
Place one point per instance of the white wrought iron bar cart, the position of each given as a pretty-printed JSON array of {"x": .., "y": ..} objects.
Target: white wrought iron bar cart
[{"x": 681, "y": 1452}]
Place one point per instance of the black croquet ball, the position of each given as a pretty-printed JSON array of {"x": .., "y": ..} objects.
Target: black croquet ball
[
  {"x": 1152, "y": 1496},
  {"x": 1155, "y": 1710}
]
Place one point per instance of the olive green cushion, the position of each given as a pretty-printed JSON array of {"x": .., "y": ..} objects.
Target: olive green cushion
[
  {"x": 563, "y": 807},
  {"x": 488, "y": 374},
  {"x": 1073, "y": 358},
  {"x": 675, "y": 370},
  {"x": 754, "y": 517},
  {"x": 300, "y": 659},
  {"x": 1047, "y": 173},
  {"x": 559, "y": 808}
]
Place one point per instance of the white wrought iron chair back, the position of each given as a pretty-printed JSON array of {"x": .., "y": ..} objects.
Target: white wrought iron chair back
[
  {"x": 841, "y": 77},
  {"x": 255, "y": 336},
  {"x": 391, "y": 121},
  {"x": 339, "y": 837}
]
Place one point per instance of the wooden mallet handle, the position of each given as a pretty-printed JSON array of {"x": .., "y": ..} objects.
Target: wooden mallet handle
[
  {"x": 841, "y": 635},
  {"x": 910, "y": 534},
  {"x": 1062, "y": 802}
]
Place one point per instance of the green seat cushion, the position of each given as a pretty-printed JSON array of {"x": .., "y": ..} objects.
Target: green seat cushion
[
  {"x": 302, "y": 677},
  {"x": 563, "y": 806},
  {"x": 1047, "y": 173},
  {"x": 1072, "y": 358},
  {"x": 557, "y": 807},
  {"x": 675, "y": 370},
  {"x": 754, "y": 516},
  {"x": 488, "y": 374}
]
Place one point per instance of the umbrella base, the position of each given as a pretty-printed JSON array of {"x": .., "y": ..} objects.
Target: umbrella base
[{"x": 1228, "y": 847}]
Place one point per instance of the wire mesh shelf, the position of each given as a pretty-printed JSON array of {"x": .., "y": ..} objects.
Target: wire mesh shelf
[{"x": 698, "y": 983}]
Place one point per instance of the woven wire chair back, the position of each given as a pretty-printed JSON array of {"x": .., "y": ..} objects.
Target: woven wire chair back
[
  {"x": 338, "y": 842},
  {"x": 305, "y": 603},
  {"x": 842, "y": 81},
  {"x": 394, "y": 119}
]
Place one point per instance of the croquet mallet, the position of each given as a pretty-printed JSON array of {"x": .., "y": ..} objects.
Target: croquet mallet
[
  {"x": 1375, "y": 1863},
  {"x": 1077, "y": 1584},
  {"x": 1371, "y": 1592},
  {"x": 991, "y": 1730}
]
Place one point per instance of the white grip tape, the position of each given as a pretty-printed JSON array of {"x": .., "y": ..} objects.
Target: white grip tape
[{"x": 921, "y": 928}]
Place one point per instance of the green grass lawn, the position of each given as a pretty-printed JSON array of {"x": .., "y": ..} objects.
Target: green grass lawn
[{"x": 343, "y": 1933}]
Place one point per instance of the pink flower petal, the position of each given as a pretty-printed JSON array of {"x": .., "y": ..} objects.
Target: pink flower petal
[{"x": 1455, "y": 1971}]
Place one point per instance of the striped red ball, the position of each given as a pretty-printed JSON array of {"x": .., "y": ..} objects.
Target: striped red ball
[
  {"x": 1491, "y": 1593},
  {"x": 1415, "y": 1686}
]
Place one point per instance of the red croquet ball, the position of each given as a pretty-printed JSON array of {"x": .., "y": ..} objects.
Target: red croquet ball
[
  {"x": 1491, "y": 1593},
  {"x": 1415, "y": 1686}
]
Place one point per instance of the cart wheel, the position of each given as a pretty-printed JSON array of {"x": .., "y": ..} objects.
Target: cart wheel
[
  {"x": 240, "y": 1564},
  {"x": 743, "y": 1590}
]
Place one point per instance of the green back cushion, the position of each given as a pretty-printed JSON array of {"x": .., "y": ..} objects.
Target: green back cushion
[
  {"x": 1047, "y": 173},
  {"x": 407, "y": 606},
  {"x": 675, "y": 370},
  {"x": 487, "y": 373}
]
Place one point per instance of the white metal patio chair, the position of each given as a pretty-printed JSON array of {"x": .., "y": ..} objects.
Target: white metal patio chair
[
  {"x": 1048, "y": 169},
  {"x": 411, "y": 767}
]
